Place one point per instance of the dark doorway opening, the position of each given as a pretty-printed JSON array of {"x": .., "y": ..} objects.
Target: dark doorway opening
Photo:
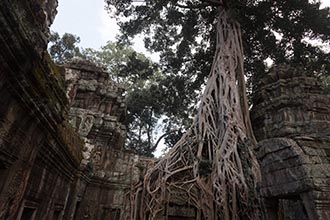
[{"x": 28, "y": 213}]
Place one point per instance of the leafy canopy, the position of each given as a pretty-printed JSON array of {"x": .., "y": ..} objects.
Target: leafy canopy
[
  {"x": 142, "y": 79},
  {"x": 63, "y": 49},
  {"x": 183, "y": 32},
  {"x": 144, "y": 83}
]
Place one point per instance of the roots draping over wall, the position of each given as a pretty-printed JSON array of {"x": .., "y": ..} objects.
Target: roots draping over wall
[{"x": 212, "y": 167}]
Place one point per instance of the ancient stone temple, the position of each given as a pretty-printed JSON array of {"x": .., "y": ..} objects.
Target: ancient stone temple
[
  {"x": 62, "y": 135},
  {"x": 61, "y": 129},
  {"x": 291, "y": 119},
  {"x": 39, "y": 150},
  {"x": 97, "y": 113}
]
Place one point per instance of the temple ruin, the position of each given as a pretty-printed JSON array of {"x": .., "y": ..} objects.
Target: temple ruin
[
  {"x": 62, "y": 135},
  {"x": 291, "y": 118}
]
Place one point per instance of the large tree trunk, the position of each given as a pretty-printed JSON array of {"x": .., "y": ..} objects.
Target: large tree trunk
[{"x": 212, "y": 167}]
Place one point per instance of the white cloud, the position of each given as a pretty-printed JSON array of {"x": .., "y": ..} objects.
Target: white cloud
[
  {"x": 138, "y": 45},
  {"x": 108, "y": 28},
  {"x": 325, "y": 3}
]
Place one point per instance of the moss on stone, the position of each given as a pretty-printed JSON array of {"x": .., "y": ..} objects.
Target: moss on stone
[
  {"x": 71, "y": 140},
  {"x": 48, "y": 87}
]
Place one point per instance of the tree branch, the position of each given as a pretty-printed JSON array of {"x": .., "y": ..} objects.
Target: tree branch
[{"x": 160, "y": 138}]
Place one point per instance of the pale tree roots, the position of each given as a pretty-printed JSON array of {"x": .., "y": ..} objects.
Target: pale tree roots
[{"x": 212, "y": 167}]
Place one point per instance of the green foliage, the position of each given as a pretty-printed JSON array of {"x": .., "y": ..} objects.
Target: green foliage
[
  {"x": 113, "y": 56},
  {"x": 125, "y": 65},
  {"x": 141, "y": 78},
  {"x": 183, "y": 32},
  {"x": 282, "y": 31},
  {"x": 63, "y": 49}
]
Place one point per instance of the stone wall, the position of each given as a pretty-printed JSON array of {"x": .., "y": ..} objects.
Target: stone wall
[
  {"x": 97, "y": 107},
  {"x": 52, "y": 170},
  {"x": 289, "y": 102},
  {"x": 42, "y": 176},
  {"x": 62, "y": 130},
  {"x": 97, "y": 113},
  {"x": 291, "y": 120},
  {"x": 39, "y": 151}
]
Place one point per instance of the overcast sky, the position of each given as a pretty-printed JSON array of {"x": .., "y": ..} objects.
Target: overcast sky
[{"x": 89, "y": 20}]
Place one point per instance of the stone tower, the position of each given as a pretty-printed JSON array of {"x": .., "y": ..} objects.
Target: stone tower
[
  {"x": 97, "y": 107},
  {"x": 97, "y": 113},
  {"x": 291, "y": 120}
]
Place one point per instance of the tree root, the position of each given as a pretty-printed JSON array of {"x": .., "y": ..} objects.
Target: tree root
[{"x": 204, "y": 170}]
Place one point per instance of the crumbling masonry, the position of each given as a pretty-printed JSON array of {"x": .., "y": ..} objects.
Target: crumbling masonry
[
  {"x": 62, "y": 134},
  {"x": 291, "y": 119},
  {"x": 61, "y": 131}
]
